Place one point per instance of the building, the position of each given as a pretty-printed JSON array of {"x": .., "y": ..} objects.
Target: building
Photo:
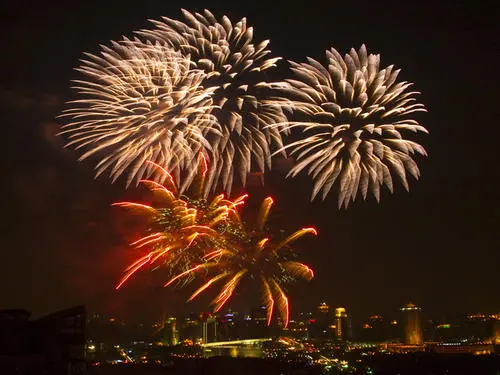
[
  {"x": 209, "y": 327},
  {"x": 53, "y": 344},
  {"x": 297, "y": 329},
  {"x": 321, "y": 324},
  {"x": 412, "y": 325},
  {"x": 479, "y": 327},
  {"x": 191, "y": 329},
  {"x": 231, "y": 327},
  {"x": 445, "y": 332},
  {"x": 167, "y": 332},
  {"x": 378, "y": 329},
  {"x": 323, "y": 309},
  {"x": 340, "y": 316},
  {"x": 258, "y": 323},
  {"x": 461, "y": 348},
  {"x": 496, "y": 331},
  {"x": 342, "y": 326}
]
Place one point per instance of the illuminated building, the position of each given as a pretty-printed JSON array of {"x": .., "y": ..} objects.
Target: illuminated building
[
  {"x": 168, "y": 331},
  {"x": 259, "y": 314},
  {"x": 297, "y": 329},
  {"x": 461, "y": 348},
  {"x": 301, "y": 322},
  {"x": 323, "y": 308},
  {"x": 321, "y": 324},
  {"x": 472, "y": 328},
  {"x": 191, "y": 328},
  {"x": 479, "y": 327},
  {"x": 412, "y": 325},
  {"x": 342, "y": 326},
  {"x": 496, "y": 332},
  {"x": 209, "y": 328},
  {"x": 379, "y": 329},
  {"x": 373, "y": 330},
  {"x": 230, "y": 326},
  {"x": 449, "y": 328}
]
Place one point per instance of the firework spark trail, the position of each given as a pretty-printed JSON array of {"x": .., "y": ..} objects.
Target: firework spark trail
[
  {"x": 294, "y": 236},
  {"x": 147, "y": 240},
  {"x": 133, "y": 269},
  {"x": 299, "y": 269},
  {"x": 185, "y": 230},
  {"x": 357, "y": 120},
  {"x": 133, "y": 205},
  {"x": 262, "y": 242},
  {"x": 268, "y": 296},
  {"x": 196, "y": 238},
  {"x": 140, "y": 102},
  {"x": 244, "y": 101},
  {"x": 247, "y": 251},
  {"x": 264, "y": 212},
  {"x": 187, "y": 272},
  {"x": 206, "y": 285},
  {"x": 283, "y": 306},
  {"x": 228, "y": 290}
]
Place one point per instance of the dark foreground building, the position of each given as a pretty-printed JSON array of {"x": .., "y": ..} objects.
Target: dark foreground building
[{"x": 53, "y": 344}]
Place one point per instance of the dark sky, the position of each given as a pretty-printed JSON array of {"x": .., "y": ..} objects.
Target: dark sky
[{"x": 436, "y": 246}]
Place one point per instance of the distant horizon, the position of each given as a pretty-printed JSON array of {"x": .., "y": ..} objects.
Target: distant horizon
[{"x": 124, "y": 316}]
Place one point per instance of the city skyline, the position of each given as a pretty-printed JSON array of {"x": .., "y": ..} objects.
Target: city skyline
[
  {"x": 396, "y": 316},
  {"x": 75, "y": 341},
  {"x": 434, "y": 246},
  {"x": 412, "y": 330}
]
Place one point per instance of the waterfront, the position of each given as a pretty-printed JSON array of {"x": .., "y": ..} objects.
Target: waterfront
[{"x": 248, "y": 351}]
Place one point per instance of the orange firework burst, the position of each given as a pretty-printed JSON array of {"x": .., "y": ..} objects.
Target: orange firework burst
[
  {"x": 182, "y": 229},
  {"x": 250, "y": 252}
]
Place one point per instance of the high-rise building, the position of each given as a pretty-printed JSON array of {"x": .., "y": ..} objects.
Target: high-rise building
[
  {"x": 169, "y": 334},
  {"x": 229, "y": 326},
  {"x": 323, "y": 308},
  {"x": 378, "y": 329},
  {"x": 342, "y": 324},
  {"x": 209, "y": 327},
  {"x": 412, "y": 325},
  {"x": 258, "y": 326},
  {"x": 321, "y": 324},
  {"x": 190, "y": 328}
]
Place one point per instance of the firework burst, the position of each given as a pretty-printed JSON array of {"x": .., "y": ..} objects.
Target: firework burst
[
  {"x": 249, "y": 252},
  {"x": 140, "y": 102},
  {"x": 181, "y": 229},
  {"x": 235, "y": 70},
  {"x": 357, "y": 119}
]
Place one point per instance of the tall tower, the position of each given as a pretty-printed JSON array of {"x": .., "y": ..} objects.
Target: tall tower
[
  {"x": 342, "y": 324},
  {"x": 207, "y": 334},
  {"x": 168, "y": 330},
  {"x": 412, "y": 325}
]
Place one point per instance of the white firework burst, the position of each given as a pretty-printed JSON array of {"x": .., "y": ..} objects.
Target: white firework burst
[
  {"x": 138, "y": 103},
  {"x": 235, "y": 69},
  {"x": 356, "y": 118}
]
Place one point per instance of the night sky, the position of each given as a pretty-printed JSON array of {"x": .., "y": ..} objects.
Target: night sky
[{"x": 62, "y": 243}]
